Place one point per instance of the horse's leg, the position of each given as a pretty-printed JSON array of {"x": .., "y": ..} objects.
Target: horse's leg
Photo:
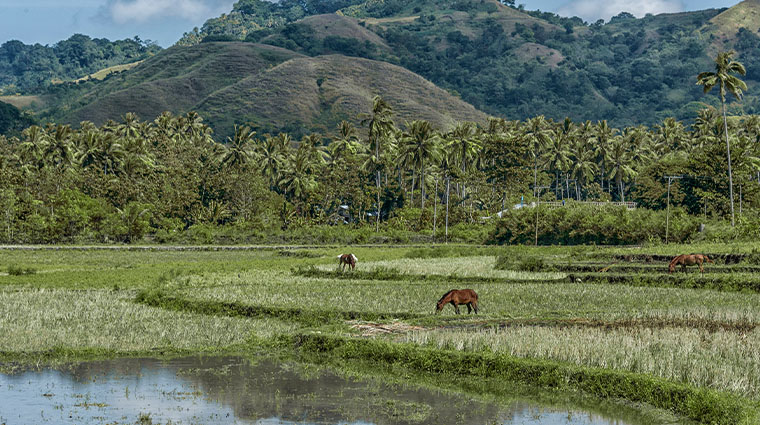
[
  {"x": 456, "y": 307},
  {"x": 475, "y": 306},
  {"x": 469, "y": 307}
]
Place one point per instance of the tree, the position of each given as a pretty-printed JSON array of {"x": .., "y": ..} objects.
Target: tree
[
  {"x": 380, "y": 125},
  {"x": 465, "y": 147},
  {"x": 621, "y": 161},
  {"x": 557, "y": 155},
  {"x": 421, "y": 143},
  {"x": 722, "y": 77},
  {"x": 583, "y": 167},
  {"x": 538, "y": 139},
  {"x": 238, "y": 151}
]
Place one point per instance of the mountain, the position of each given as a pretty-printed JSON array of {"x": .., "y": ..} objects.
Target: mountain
[
  {"x": 316, "y": 93},
  {"x": 502, "y": 60},
  {"x": 517, "y": 63},
  {"x": 727, "y": 24},
  {"x": 270, "y": 88}
]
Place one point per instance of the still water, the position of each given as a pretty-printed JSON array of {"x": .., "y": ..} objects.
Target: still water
[{"x": 228, "y": 390}]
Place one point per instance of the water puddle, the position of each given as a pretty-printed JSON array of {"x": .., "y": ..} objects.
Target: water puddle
[{"x": 226, "y": 390}]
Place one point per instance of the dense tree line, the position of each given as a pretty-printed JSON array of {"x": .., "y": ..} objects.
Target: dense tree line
[
  {"x": 123, "y": 180},
  {"x": 26, "y": 68}
]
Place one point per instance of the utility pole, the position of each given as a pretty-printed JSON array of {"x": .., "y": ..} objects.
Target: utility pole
[
  {"x": 667, "y": 217},
  {"x": 538, "y": 202}
]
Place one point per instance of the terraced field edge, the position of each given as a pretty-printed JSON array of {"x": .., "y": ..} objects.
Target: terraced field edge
[{"x": 702, "y": 405}]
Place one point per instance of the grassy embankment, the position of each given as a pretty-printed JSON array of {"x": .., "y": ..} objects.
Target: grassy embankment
[{"x": 691, "y": 351}]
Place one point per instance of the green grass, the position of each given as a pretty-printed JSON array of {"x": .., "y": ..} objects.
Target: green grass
[{"x": 696, "y": 342}]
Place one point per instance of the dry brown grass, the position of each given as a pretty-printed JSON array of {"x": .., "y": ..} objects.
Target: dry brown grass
[{"x": 23, "y": 102}]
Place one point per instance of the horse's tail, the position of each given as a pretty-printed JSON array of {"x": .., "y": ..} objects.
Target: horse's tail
[{"x": 340, "y": 256}]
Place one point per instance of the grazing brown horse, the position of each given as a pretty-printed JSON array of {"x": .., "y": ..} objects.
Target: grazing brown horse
[
  {"x": 456, "y": 297},
  {"x": 688, "y": 260},
  {"x": 347, "y": 260}
]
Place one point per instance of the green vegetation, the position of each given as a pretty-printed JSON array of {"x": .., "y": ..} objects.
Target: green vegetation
[
  {"x": 692, "y": 352},
  {"x": 168, "y": 181},
  {"x": 12, "y": 120},
  {"x": 31, "y": 68},
  {"x": 565, "y": 67}
]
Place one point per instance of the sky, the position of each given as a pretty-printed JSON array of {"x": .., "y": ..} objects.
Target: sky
[{"x": 164, "y": 21}]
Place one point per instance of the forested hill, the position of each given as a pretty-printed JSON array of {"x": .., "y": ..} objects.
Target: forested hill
[
  {"x": 504, "y": 61},
  {"x": 29, "y": 68},
  {"x": 516, "y": 63}
]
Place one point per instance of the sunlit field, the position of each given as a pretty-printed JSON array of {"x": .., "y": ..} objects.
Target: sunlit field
[{"x": 119, "y": 303}]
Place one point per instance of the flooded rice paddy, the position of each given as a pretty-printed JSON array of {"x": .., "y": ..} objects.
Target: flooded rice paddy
[{"x": 224, "y": 390}]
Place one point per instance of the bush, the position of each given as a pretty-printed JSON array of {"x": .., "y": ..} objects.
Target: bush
[
  {"x": 14, "y": 270},
  {"x": 582, "y": 224}
]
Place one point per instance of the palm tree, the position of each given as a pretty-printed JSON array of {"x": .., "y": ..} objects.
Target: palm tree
[
  {"x": 557, "y": 155},
  {"x": 423, "y": 146},
  {"x": 603, "y": 134},
  {"x": 346, "y": 144},
  {"x": 380, "y": 125},
  {"x": 538, "y": 139},
  {"x": 465, "y": 146},
  {"x": 298, "y": 179},
  {"x": 271, "y": 157},
  {"x": 724, "y": 67},
  {"x": 239, "y": 150},
  {"x": 583, "y": 167},
  {"x": 621, "y": 161}
]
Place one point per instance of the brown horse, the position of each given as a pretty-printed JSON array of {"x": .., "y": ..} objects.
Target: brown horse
[
  {"x": 347, "y": 260},
  {"x": 688, "y": 260},
  {"x": 456, "y": 297}
]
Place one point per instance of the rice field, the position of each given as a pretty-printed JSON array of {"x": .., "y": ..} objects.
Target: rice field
[
  {"x": 724, "y": 360},
  {"x": 39, "y": 320},
  {"x": 481, "y": 266},
  {"x": 87, "y": 301}
]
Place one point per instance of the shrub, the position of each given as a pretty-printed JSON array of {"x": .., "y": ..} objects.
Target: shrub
[
  {"x": 581, "y": 224},
  {"x": 14, "y": 270}
]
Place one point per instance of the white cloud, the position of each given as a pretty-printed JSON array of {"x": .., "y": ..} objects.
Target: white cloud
[
  {"x": 591, "y": 10},
  {"x": 125, "y": 11}
]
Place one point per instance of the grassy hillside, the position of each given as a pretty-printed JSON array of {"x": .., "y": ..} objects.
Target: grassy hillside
[
  {"x": 315, "y": 94},
  {"x": 727, "y": 24},
  {"x": 267, "y": 87},
  {"x": 175, "y": 80},
  {"x": 518, "y": 63},
  {"x": 504, "y": 61}
]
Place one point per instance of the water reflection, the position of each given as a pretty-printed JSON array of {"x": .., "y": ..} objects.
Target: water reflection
[{"x": 223, "y": 390}]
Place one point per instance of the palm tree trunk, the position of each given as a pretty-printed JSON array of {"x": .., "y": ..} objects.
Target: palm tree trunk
[
  {"x": 435, "y": 207},
  {"x": 414, "y": 178},
  {"x": 620, "y": 185},
  {"x": 377, "y": 220},
  {"x": 448, "y": 189},
  {"x": 422, "y": 186},
  {"x": 728, "y": 153}
]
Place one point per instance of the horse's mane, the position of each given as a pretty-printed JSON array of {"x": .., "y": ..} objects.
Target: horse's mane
[
  {"x": 673, "y": 261},
  {"x": 447, "y": 294}
]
